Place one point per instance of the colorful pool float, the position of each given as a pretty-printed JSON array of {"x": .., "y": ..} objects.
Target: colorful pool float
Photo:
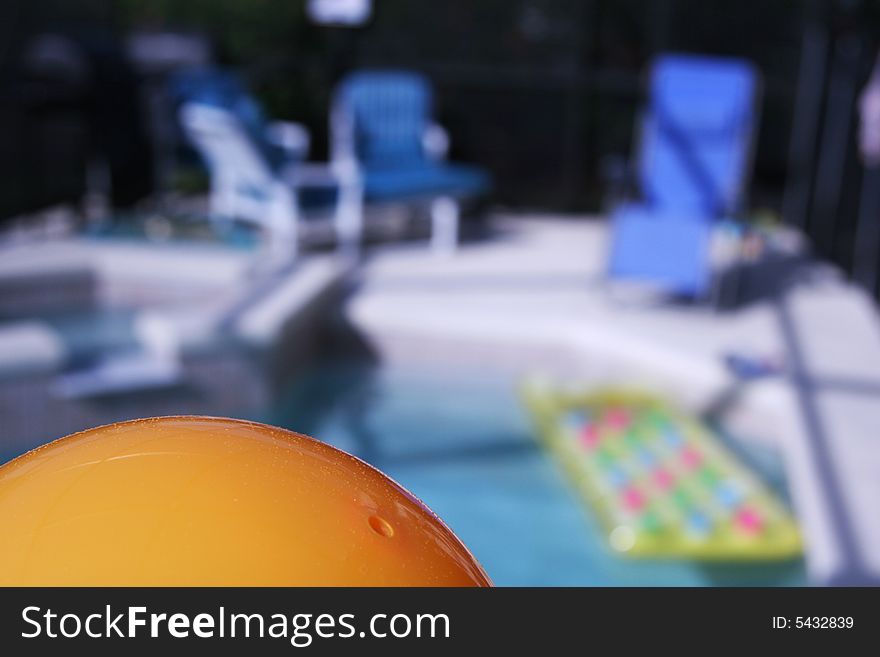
[{"x": 661, "y": 483}]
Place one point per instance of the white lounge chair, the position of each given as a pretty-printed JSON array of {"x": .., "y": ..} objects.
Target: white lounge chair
[{"x": 246, "y": 186}]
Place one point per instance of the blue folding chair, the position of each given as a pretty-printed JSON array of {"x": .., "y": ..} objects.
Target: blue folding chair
[
  {"x": 382, "y": 127},
  {"x": 693, "y": 168}
]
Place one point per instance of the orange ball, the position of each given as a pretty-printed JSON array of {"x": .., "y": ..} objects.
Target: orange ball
[{"x": 182, "y": 501}]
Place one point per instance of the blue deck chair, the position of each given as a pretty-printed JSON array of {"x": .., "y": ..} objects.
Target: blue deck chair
[
  {"x": 693, "y": 168},
  {"x": 382, "y": 126},
  {"x": 257, "y": 168},
  {"x": 282, "y": 143}
]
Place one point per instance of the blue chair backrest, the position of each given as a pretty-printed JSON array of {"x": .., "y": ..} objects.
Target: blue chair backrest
[
  {"x": 697, "y": 135},
  {"x": 223, "y": 89},
  {"x": 390, "y": 111}
]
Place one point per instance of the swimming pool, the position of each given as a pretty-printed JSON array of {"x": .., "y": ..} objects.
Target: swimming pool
[{"x": 461, "y": 442}]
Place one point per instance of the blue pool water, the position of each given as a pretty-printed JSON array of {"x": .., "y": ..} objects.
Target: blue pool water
[{"x": 462, "y": 443}]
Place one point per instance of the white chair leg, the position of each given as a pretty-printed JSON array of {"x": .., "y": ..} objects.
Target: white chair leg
[
  {"x": 444, "y": 225},
  {"x": 350, "y": 219},
  {"x": 222, "y": 201},
  {"x": 283, "y": 223}
]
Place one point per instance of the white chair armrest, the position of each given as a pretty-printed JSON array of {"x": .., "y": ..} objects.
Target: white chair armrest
[
  {"x": 435, "y": 141},
  {"x": 292, "y": 138}
]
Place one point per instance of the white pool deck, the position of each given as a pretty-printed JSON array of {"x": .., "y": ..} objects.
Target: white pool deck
[
  {"x": 533, "y": 301},
  {"x": 196, "y": 290},
  {"x": 151, "y": 329}
]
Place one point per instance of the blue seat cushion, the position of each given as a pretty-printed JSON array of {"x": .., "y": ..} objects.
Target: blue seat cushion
[
  {"x": 669, "y": 250},
  {"x": 424, "y": 179}
]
